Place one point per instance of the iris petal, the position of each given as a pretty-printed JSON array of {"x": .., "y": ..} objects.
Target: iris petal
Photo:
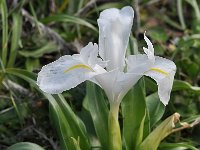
[
  {"x": 69, "y": 71},
  {"x": 163, "y": 73},
  {"x": 114, "y": 31}
]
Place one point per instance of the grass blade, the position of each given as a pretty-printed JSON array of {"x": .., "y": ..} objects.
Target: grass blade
[
  {"x": 48, "y": 48},
  {"x": 67, "y": 123},
  {"x": 16, "y": 33},
  {"x": 68, "y": 18},
  {"x": 4, "y": 16},
  {"x": 17, "y": 110}
]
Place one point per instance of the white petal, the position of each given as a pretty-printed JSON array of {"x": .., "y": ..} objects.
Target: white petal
[
  {"x": 150, "y": 50},
  {"x": 99, "y": 70},
  {"x": 63, "y": 74},
  {"x": 116, "y": 84},
  {"x": 86, "y": 51},
  {"x": 138, "y": 64},
  {"x": 114, "y": 31},
  {"x": 107, "y": 81},
  {"x": 69, "y": 71},
  {"x": 163, "y": 72},
  {"x": 125, "y": 81},
  {"x": 89, "y": 55}
]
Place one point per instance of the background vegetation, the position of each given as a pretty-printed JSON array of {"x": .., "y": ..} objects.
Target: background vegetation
[{"x": 34, "y": 33}]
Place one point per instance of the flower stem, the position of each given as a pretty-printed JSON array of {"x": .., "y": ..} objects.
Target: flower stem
[{"x": 114, "y": 128}]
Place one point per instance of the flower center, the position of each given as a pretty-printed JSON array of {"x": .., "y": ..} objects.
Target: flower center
[{"x": 77, "y": 67}]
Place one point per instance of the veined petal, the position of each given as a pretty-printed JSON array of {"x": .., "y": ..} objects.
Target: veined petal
[
  {"x": 150, "y": 50},
  {"x": 125, "y": 81},
  {"x": 163, "y": 72},
  {"x": 138, "y": 64},
  {"x": 63, "y": 74},
  {"x": 160, "y": 69},
  {"x": 116, "y": 84},
  {"x": 89, "y": 54},
  {"x": 107, "y": 81},
  {"x": 114, "y": 31},
  {"x": 69, "y": 71}
]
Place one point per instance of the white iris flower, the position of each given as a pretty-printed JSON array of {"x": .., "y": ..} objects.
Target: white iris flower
[{"x": 105, "y": 64}]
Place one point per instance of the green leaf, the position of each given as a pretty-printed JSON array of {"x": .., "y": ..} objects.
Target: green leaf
[
  {"x": 183, "y": 85},
  {"x": 133, "y": 111},
  {"x": 99, "y": 112},
  {"x": 32, "y": 63},
  {"x": 195, "y": 5},
  {"x": 17, "y": 110},
  {"x": 158, "y": 34},
  {"x": 178, "y": 85},
  {"x": 189, "y": 67},
  {"x": 180, "y": 14},
  {"x": 23, "y": 74},
  {"x": 155, "y": 108},
  {"x": 4, "y": 17},
  {"x": 10, "y": 113},
  {"x": 140, "y": 132},
  {"x": 132, "y": 46},
  {"x": 158, "y": 134},
  {"x": 67, "y": 123},
  {"x": 61, "y": 124},
  {"x": 106, "y": 6},
  {"x": 176, "y": 146},
  {"x": 25, "y": 146},
  {"x": 150, "y": 85},
  {"x": 76, "y": 143},
  {"x": 170, "y": 125},
  {"x": 76, "y": 125},
  {"x": 68, "y": 18},
  {"x": 16, "y": 34},
  {"x": 48, "y": 48},
  {"x": 159, "y": 49}
]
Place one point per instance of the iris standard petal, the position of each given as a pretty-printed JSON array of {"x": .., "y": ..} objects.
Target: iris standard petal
[
  {"x": 163, "y": 72},
  {"x": 114, "y": 31}
]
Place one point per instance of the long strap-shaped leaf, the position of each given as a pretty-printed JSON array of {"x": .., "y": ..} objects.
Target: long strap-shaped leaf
[
  {"x": 133, "y": 111},
  {"x": 76, "y": 125},
  {"x": 99, "y": 113},
  {"x": 16, "y": 33},
  {"x": 70, "y": 127},
  {"x": 4, "y": 15},
  {"x": 68, "y": 18},
  {"x": 168, "y": 126}
]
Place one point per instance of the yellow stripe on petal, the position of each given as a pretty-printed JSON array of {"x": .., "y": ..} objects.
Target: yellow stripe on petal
[
  {"x": 159, "y": 70},
  {"x": 77, "y": 67}
]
